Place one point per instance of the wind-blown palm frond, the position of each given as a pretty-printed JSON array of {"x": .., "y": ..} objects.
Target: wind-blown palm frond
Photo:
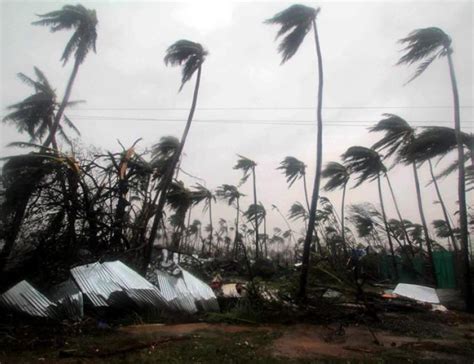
[
  {"x": 434, "y": 142},
  {"x": 297, "y": 212},
  {"x": 246, "y": 165},
  {"x": 77, "y": 17},
  {"x": 424, "y": 45},
  {"x": 201, "y": 193},
  {"x": 191, "y": 54},
  {"x": 365, "y": 162},
  {"x": 364, "y": 218},
  {"x": 397, "y": 134},
  {"x": 337, "y": 174},
  {"x": 229, "y": 193},
  {"x": 295, "y": 22},
  {"x": 255, "y": 212},
  {"x": 453, "y": 166},
  {"x": 293, "y": 169},
  {"x": 162, "y": 154}
]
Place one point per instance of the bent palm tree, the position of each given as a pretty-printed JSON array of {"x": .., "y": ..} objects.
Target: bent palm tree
[
  {"x": 368, "y": 165},
  {"x": 295, "y": 22},
  {"x": 191, "y": 56},
  {"x": 398, "y": 136},
  {"x": 84, "y": 21},
  {"x": 247, "y": 166},
  {"x": 232, "y": 195},
  {"x": 35, "y": 114},
  {"x": 338, "y": 176},
  {"x": 425, "y": 45},
  {"x": 294, "y": 169},
  {"x": 205, "y": 194}
]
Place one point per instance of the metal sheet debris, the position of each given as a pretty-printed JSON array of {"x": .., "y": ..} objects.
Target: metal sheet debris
[
  {"x": 419, "y": 293},
  {"x": 112, "y": 284},
  {"x": 68, "y": 299},
  {"x": 25, "y": 299}
]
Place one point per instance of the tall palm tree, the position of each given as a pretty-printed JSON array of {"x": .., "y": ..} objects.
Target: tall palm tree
[
  {"x": 367, "y": 164},
  {"x": 191, "y": 56},
  {"x": 84, "y": 22},
  {"x": 295, "y": 22},
  {"x": 247, "y": 166},
  {"x": 437, "y": 142},
  {"x": 232, "y": 195},
  {"x": 207, "y": 196},
  {"x": 257, "y": 214},
  {"x": 338, "y": 176},
  {"x": 294, "y": 169},
  {"x": 398, "y": 136},
  {"x": 425, "y": 45},
  {"x": 34, "y": 115}
]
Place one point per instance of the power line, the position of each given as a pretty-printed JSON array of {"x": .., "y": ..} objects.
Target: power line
[
  {"x": 270, "y": 108},
  {"x": 255, "y": 121}
]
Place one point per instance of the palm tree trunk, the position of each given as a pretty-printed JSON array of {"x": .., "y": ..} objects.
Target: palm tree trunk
[
  {"x": 256, "y": 217},
  {"x": 306, "y": 192},
  {"x": 469, "y": 299},
  {"x": 423, "y": 222},
  {"x": 384, "y": 216},
  {"x": 236, "y": 238},
  {"x": 62, "y": 107},
  {"x": 317, "y": 178},
  {"x": 343, "y": 232},
  {"x": 443, "y": 207},
  {"x": 405, "y": 232},
  {"x": 210, "y": 226},
  {"x": 167, "y": 178}
]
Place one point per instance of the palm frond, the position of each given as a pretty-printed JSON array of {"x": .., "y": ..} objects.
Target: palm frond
[
  {"x": 397, "y": 133},
  {"x": 298, "y": 212},
  {"x": 337, "y": 175},
  {"x": 246, "y": 165},
  {"x": 424, "y": 45},
  {"x": 295, "y": 22},
  {"x": 364, "y": 162},
  {"x": 293, "y": 169},
  {"x": 191, "y": 54}
]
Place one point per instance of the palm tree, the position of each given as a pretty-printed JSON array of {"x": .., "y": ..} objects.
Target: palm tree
[
  {"x": 367, "y": 163},
  {"x": 425, "y": 45},
  {"x": 398, "y": 136},
  {"x": 232, "y": 195},
  {"x": 295, "y": 22},
  {"x": 204, "y": 194},
  {"x": 84, "y": 22},
  {"x": 338, "y": 176},
  {"x": 191, "y": 56},
  {"x": 35, "y": 114},
  {"x": 257, "y": 214},
  {"x": 294, "y": 169},
  {"x": 436, "y": 142},
  {"x": 247, "y": 166}
]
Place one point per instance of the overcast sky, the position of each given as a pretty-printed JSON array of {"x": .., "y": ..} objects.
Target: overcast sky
[{"x": 248, "y": 103}]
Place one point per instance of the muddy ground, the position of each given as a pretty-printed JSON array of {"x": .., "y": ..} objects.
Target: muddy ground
[{"x": 397, "y": 337}]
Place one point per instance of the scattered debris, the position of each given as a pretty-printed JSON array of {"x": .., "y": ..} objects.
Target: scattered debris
[
  {"x": 112, "y": 284},
  {"x": 418, "y": 293}
]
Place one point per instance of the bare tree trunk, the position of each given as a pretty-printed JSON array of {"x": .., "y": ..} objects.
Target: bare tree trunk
[
  {"x": 167, "y": 178},
  {"x": 62, "y": 107},
  {"x": 423, "y": 222},
  {"x": 443, "y": 207},
  {"x": 256, "y": 217},
  {"x": 236, "y": 238},
  {"x": 343, "y": 232},
  {"x": 210, "y": 225},
  {"x": 317, "y": 178},
  {"x": 384, "y": 216},
  {"x": 405, "y": 232},
  {"x": 468, "y": 296}
]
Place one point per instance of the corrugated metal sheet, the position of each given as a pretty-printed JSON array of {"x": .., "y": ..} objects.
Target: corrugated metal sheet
[
  {"x": 96, "y": 283},
  {"x": 111, "y": 284},
  {"x": 202, "y": 293},
  {"x": 69, "y": 300},
  {"x": 176, "y": 292},
  {"x": 26, "y": 299},
  {"x": 115, "y": 284}
]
